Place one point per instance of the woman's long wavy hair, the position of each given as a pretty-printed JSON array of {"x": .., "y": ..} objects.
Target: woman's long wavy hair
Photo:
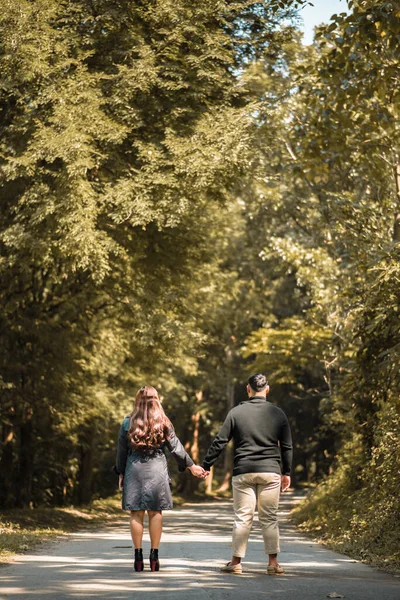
[{"x": 149, "y": 425}]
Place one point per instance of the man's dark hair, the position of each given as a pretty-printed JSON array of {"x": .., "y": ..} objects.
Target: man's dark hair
[{"x": 258, "y": 382}]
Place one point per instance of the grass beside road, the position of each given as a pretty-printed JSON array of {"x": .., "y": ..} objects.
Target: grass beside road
[
  {"x": 23, "y": 529},
  {"x": 347, "y": 526}
]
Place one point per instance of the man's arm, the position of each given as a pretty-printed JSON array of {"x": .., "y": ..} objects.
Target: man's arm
[
  {"x": 219, "y": 443},
  {"x": 286, "y": 446}
]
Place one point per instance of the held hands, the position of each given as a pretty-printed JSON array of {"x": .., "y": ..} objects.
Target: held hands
[
  {"x": 198, "y": 471},
  {"x": 285, "y": 482}
]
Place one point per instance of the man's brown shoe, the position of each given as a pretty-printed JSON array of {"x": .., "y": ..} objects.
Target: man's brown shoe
[{"x": 234, "y": 569}]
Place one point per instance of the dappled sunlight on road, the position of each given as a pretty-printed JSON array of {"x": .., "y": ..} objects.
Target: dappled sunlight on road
[{"x": 196, "y": 542}]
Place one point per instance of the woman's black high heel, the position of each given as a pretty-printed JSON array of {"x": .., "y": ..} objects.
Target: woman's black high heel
[
  {"x": 139, "y": 564},
  {"x": 154, "y": 562}
]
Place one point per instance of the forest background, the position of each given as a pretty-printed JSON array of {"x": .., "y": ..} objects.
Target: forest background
[{"x": 190, "y": 195}]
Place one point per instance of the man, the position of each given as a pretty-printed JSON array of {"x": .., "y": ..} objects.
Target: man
[{"x": 262, "y": 463}]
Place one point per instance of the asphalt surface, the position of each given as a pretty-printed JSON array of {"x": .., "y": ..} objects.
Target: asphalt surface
[{"x": 196, "y": 542}]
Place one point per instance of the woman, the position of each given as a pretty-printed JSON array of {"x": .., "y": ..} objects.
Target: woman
[{"x": 143, "y": 472}]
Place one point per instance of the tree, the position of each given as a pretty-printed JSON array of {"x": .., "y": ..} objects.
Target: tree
[
  {"x": 328, "y": 191},
  {"x": 108, "y": 112}
]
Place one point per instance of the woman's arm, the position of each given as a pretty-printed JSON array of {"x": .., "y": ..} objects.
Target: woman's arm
[
  {"x": 122, "y": 452},
  {"x": 177, "y": 450},
  {"x": 183, "y": 459}
]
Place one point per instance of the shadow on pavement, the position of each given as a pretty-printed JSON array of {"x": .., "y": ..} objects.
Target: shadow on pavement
[{"x": 196, "y": 542}]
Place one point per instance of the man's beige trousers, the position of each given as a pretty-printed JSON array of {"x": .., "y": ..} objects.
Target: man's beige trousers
[{"x": 249, "y": 489}]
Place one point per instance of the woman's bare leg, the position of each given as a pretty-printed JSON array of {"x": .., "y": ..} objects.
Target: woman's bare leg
[
  {"x": 137, "y": 517},
  {"x": 155, "y": 527}
]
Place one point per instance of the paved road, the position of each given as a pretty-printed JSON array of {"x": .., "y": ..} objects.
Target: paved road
[{"x": 196, "y": 542}]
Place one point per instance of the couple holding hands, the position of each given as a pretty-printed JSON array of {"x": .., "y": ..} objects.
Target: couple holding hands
[{"x": 262, "y": 463}]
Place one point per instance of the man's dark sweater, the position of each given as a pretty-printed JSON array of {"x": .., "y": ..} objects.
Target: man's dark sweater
[{"x": 261, "y": 435}]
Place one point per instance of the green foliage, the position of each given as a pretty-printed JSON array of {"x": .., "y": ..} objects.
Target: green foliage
[
  {"x": 124, "y": 132},
  {"x": 288, "y": 356},
  {"x": 356, "y": 509}
]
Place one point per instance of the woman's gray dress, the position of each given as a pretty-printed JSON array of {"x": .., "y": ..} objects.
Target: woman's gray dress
[{"x": 146, "y": 478}]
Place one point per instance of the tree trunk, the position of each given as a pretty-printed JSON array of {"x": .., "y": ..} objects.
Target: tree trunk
[
  {"x": 7, "y": 495},
  {"x": 85, "y": 477},
  {"x": 396, "y": 227},
  {"x": 190, "y": 484},
  {"x": 26, "y": 460},
  {"x": 228, "y": 458},
  {"x": 194, "y": 448},
  {"x": 209, "y": 482}
]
